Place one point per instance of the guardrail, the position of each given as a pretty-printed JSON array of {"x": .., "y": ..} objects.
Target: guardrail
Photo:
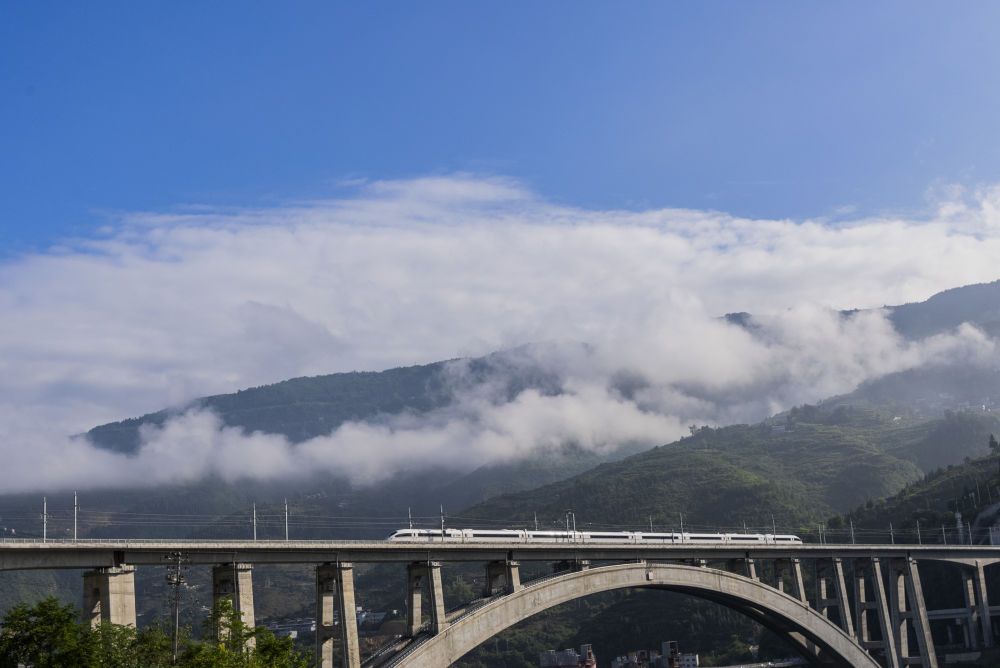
[{"x": 185, "y": 541}]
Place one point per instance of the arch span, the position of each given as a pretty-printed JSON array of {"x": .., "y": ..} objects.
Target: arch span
[{"x": 762, "y": 602}]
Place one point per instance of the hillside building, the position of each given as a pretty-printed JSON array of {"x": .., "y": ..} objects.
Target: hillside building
[
  {"x": 568, "y": 658},
  {"x": 669, "y": 657}
]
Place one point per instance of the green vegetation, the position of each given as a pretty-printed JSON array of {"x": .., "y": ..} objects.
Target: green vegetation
[
  {"x": 943, "y": 506},
  {"x": 795, "y": 470},
  {"x": 801, "y": 466},
  {"x": 49, "y": 635},
  {"x": 302, "y": 408}
]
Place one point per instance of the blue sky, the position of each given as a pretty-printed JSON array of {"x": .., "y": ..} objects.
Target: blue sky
[
  {"x": 201, "y": 197},
  {"x": 763, "y": 109}
]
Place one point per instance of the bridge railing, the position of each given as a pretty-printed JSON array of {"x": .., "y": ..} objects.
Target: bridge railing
[{"x": 182, "y": 541}]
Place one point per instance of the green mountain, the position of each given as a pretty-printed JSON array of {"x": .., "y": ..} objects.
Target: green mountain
[
  {"x": 977, "y": 304},
  {"x": 304, "y": 408},
  {"x": 795, "y": 469}
]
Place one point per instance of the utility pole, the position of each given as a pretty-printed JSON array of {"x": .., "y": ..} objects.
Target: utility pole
[
  {"x": 442, "y": 523},
  {"x": 286, "y": 519},
  {"x": 76, "y": 509},
  {"x": 892, "y": 536},
  {"x": 852, "y": 531},
  {"x": 409, "y": 517},
  {"x": 254, "y": 521},
  {"x": 45, "y": 519},
  {"x": 175, "y": 578},
  {"x": 919, "y": 542}
]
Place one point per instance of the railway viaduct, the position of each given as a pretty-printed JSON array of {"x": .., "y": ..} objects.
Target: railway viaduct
[{"x": 866, "y": 607}]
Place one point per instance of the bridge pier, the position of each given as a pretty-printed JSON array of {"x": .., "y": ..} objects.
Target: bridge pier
[
  {"x": 872, "y": 568},
  {"x": 907, "y": 608},
  {"x": 827, "y": 570},
  {"x": 335, "y": 592},
  {"x": 570, "y": 565},
  {"x": 505, "y": 570},
  {"x": 416, "y": 573},
  {"x": 794, "y": 569},
  {"x": 971, "y": 609},
  {"x": 109, "y": 595},
  {"x": 982, "y": 601},
  {"x": 235, "y": 582}
]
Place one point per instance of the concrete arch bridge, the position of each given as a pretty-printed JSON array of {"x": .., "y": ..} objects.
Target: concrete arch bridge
[{"x": 867, "y": 608}]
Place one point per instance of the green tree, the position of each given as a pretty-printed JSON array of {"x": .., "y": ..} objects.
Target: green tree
[
  {"x": 47, "y": 634},
  {"x": 226, "y": 644},
  {"x": 50, "y": 635},
  {"x": 154, "y": 646}
]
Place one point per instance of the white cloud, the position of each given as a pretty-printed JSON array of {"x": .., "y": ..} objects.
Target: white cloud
[{"x": 169, "y": 306}]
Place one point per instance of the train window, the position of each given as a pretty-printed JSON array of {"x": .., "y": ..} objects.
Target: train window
[
  {"x": 708, "y": 537},
  {"x": 755, "y": 539}
]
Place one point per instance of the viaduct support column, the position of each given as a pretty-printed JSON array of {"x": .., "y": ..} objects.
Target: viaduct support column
[
  {"x": 921, "y": 625},
  {"x": 745, "y": 566},
  {"x": 900, "y": 615},
  {"x": 861, "y": 607},
  {"x": 873, "y": 569},
  {"x": 109, "y": 595},
  {"x": 881, "y": 604},
  {"x": 984, "y": 607},
  {"x": 827, "y": 571},
  {"x": 497, "y": 570},
  {"x": 795, "y": 572},
  {"x": 416, "y": 573},
  {"x": 335, "y": 598},
  {"x": 235, "y": 582},
  {"x": 972, "y": 610}
]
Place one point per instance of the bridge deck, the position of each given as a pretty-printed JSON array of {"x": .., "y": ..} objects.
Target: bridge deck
[{"x": 20, "y": 554}]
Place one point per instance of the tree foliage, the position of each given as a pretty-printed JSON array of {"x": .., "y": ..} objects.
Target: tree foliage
[{"x": 49, "y": 634}]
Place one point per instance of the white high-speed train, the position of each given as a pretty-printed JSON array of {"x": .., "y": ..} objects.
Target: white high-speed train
[{"x": 607, "y": 537}]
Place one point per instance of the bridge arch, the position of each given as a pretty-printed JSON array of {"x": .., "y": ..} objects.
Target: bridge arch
[{"x": 762, "y": 602}]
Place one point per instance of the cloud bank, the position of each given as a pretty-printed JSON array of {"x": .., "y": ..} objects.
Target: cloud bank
[{"x": 165, "y": 307}]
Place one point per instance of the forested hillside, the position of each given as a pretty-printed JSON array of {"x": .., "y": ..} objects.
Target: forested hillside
[{"x": 796, "y": 469}]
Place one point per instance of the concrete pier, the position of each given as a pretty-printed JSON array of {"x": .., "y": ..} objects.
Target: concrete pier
[
  {"x": 335, "y": 592},
  {"x": 832, "y": 572},
  {"x": 235, "y": 581},
  {"x": 416, "y": 574},
  {"x": 501, "y": 577},
  {"x": 794, "y": 570},
  {"x": 109, "y": 595},
  {"x": 982, "y": 604},
  {"x": 919, "y": 619}
]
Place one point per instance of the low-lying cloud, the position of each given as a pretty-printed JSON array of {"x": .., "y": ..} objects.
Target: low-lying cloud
[{"x": 166, "y": 307}]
